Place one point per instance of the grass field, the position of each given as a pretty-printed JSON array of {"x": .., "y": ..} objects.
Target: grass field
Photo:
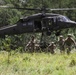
[{"x": 37, "y": 64}]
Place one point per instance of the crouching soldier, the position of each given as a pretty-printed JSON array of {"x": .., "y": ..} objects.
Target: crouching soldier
[
  {"x": 37, "y": 47},
  {"x": 31, "y": 44},
  {"x": 51, "y": 48},
  {"x": 69, "y": 42}
]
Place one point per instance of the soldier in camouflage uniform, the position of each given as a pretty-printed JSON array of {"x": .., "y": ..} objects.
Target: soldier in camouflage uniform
[
  {"x": 69, "y": 41},
  {"x": 31, "y": 44},
  {"x": 51, "y": 48},
  {"x": 61, "y": 44}
]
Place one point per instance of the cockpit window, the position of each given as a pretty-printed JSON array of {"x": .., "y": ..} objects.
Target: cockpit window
[{"x": 63, "y": 18}]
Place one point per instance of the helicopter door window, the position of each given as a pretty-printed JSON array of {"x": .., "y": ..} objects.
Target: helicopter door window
[
  {"x": 38, "y": 25},
  {"x": 51, "y": 22}
]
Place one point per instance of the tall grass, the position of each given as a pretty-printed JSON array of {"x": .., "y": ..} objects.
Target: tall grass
[{"x": 37, "y": 64}]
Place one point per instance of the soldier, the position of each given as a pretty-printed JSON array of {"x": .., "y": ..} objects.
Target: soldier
[
  {"x": 37, "y": 47},
  {"x": 51, "y": 48},
  {"x": 69, "y": 41},
  {"x": 61, "y": 44},
  {"x": 31, "y": 44}
]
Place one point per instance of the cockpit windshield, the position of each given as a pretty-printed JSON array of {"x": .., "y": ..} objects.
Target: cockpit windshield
[{"x": 63, "y": 18}]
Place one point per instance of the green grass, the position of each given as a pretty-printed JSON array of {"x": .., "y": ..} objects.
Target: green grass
[{"x": 37, "y": 64}]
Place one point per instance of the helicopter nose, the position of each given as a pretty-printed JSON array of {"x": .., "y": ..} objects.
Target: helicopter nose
[
  {"x": 71, "y": 24},
  {"x": 64, "y": 25},
  {"x": 68, "y": 24}
]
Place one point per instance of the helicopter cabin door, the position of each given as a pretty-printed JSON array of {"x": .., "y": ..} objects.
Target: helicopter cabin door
[
  {"x": 50, "y": 23},
  {"x": 37, "y": 25}
]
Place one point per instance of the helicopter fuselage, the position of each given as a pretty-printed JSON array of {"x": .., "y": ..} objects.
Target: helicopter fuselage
[{"x": 40, "y": 22}]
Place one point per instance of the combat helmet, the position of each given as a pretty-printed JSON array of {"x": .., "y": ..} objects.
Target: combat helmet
[{"x": 69, "y": 35}]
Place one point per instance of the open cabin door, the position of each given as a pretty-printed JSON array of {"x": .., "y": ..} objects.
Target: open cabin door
[{"x": 37, "y": 25}]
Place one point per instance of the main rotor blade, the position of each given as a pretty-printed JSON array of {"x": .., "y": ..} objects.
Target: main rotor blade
[
  {"x": 19, "y": 8},
  {"x": 42, "y": 9},
  {"x": 60, "y": 9}
]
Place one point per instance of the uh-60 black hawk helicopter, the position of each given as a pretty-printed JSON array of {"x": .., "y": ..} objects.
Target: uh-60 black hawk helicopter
[{"x": 40, "y": 22}]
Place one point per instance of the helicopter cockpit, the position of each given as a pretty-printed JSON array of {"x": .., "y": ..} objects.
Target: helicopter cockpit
[{"x": 63, "y": 19}]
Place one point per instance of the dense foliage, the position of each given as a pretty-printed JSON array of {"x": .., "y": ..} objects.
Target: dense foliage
[{"x": 8, "y": 16}]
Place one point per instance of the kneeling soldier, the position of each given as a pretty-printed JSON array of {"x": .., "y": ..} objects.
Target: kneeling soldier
[{"x": 51, "y": 48}]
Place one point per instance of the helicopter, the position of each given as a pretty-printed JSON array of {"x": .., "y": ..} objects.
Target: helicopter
[{"x": 39, "y": 23}]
